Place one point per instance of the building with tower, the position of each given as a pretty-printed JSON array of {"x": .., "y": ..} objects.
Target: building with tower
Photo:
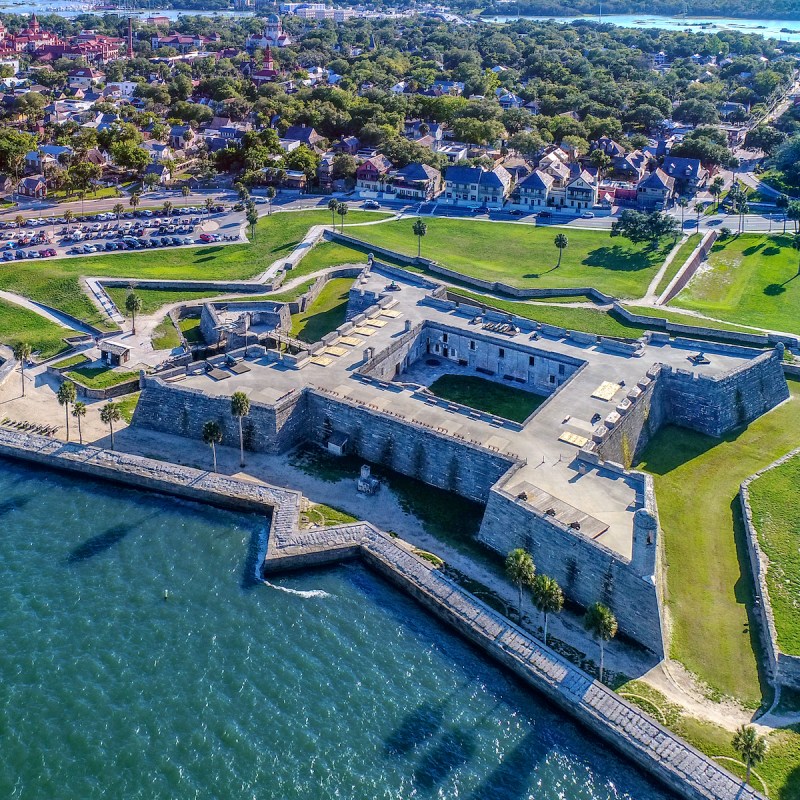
[{"x": 273, "y": 35}]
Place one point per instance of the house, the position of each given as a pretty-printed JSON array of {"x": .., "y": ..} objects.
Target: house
[
  {"x": 161, "y": 172},
  {"x": 180, "y": 136},
  {"x": 45, "y": 158},
  {"x": 33, "y": 186},
  {"x": 605, "y": 144},
  {"x": 455, "y": 152},
  {"x": 508, "y": 99},
  {"x": 372, "y": 174},
  {"x": 158, "y": 151},
  {"x": 576, "y": 193},
  {"x": 267, "y": 71},
  {"x": 348, "y": 144},
  {"x": 689, "y": 174},
  {"x": 273, "y": 35},
  {"x": 467, "y": 186},
  {"x": 581, "y": 191},
  {"x": 85, "y": 79},
  {"x": 115, "y": 354},
  {"x": 655, "y": 191},
  {"x": 417, "y": 182},
  {"x": 533, "y": 192},
  {"x": 295, "y": 179},
  {"x": 630, "y": 167},
  {"x": 303, "y": 134}
]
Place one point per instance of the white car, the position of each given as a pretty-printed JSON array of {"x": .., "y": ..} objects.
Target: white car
[{"x": 587, "y": 215}]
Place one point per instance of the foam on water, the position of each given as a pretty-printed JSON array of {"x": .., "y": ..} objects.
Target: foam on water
[{"x": 298, "y": 592}]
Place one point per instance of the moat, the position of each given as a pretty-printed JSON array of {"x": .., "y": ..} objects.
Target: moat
[{"x": 139, "y": 658}]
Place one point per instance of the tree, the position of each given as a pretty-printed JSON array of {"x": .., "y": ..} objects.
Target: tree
[
  {"x": 118, "y": 210},
  {"x": 127, "y": 154},
  {"x": 166, "y": 209},
  {"x": 133, "y": 305},
  {"x": 242, "y": 191},
  {"x": 796, "y": 246},
  {"x": 716, "y": 188},
  {"x": 14, "y": 145},
  {"x": 521, "y": 571},
  {"x": 561, "y": 243},
  {"x": 79, "y": 412},
  {"x": 793, "y": 213},
  {"x": 19, "y": 221},
  {"x": 641, "y": 227},
  {"x": 333, "y": 206},
  {"x": 185, "y": 190},
  {"x": 782, "y": 202},
  {"x": 420, "y": 229},
  {"x": 750, "y": 746},
  {"x": 602, "y": 624},
  {"x": 764, "y": 138},
  {"x": 212, "y": 435},
  {"x": 699, "y": 208},
  {"x": 270, "y": 198},
  {"x": 342, "y": 210},
  {"x": 109, "y": 414},
  {"x": 22, "y": 352},
  {"x": 252, "y": 219},
  {"x": 69, "y": 215},
  {"x": 67, "y": 394},
  {"x": 682, "y": 204},
  {"x": 134, "y": 201},
  {"x": 240, "y": 408},
  {"x": 547, "y": 597},
  {"x": 209, "y": 205}
]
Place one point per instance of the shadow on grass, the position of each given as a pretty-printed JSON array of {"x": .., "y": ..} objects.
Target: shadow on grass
[
  {"x": 313, "y": 328},
  {"x": 791, "y": 787},
  {"x": 672, "y": 447},
  {"x": 620, "y": 259},
  {"x": 774, "y": 289},
  {"x": 753, "y": 249}
]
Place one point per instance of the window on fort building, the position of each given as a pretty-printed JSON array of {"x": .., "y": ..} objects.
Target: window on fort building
[
  {"x": 561, "y": 369},
  {"x": 531, "y": 361},
  {"x": 552, "y": 379},
  {"x": 472, "y": 345},
  {"x": 444, "y": 337},
  {"x": 502, "y": 353}
]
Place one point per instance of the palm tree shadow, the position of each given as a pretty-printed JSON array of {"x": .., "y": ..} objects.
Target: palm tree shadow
[
  {"x": 511, "y": 778},
  {"x": 418, "y": 726},
  {"x": 99, "y": 544},
  {"x": 452, "y": 750}
]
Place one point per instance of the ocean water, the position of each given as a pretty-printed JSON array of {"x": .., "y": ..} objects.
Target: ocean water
[{"x": 140, "y": 659}]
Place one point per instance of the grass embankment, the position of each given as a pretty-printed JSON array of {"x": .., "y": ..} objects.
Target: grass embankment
[
  {"x": 751, "y": 279},
  {"x": 709, "y": 587},
  {"x": 56, "y": 282},
  {"x": 494, "y": 398},
  {"x": 776, "y": 516},
  {"x": 99, "y": 377},
  {"x": 165, "y": 336},
  {"x": 685, "y": 250},
  {"x": 154, "y": 299},
  {"x": 190, "y": 328},
  {"x": 325, "y": 314},
  {"x": 780, "y": 768},
  {"x": 524, "y": 255},
  {"x": 19, "y": 324},
  {"x": 662, "y": 312},
  {"x": 127, "y": 405},
  {"x": 72, "y": 361}
]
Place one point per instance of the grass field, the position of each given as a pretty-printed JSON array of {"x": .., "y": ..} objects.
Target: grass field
[
  {"x": 21, "y": 325},
  {"x": 190, "y": 327},
  {"x": 99, "y": 377},
  {"x": 56, "y": 282},
  {"x": 683, "y": 253},
  {"x": 165, "y": 337},
  {"x": 153, "y": 299},
  {"x": 684, "y": 319},
  {"x": 325, "y": 314},
  {"x": 776, "y": 516},
  {"x": 708, "y": 580},
  {"x": 72, "y": 361},
  {"x": 751, "y": 279},
  {"x": 524, "y": 255},
  {"x": 127, "y": 405},
  {"x": 494, "y": 398}
]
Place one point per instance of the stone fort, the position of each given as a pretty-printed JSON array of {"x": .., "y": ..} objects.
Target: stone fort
[{"x": 558, "y": 484}]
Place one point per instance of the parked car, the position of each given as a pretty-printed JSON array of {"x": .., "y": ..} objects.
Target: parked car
[
  {"x": 587, "y": 215},
  {"x": 516, "y": 212},
  {"x": 371, "y": 204},
  {"x": 544, "y": 214},
  {"x": 206, "y": 237}
]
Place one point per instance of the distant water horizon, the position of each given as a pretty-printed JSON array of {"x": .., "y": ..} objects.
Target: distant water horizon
[{"x": 141, "y": 658}]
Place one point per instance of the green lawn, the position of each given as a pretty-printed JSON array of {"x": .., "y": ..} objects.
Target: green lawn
[
  {"x": 670, "y": 314},
  {"x": 776, "y": 516},
  {"x": 99, "y": 377},
  {"x": 708, "y": 578},
  {"x": 21, "y": 325},
  {"x": 325, "y": 314},
  {"x": 72, "y": 361},
  {"x": 153, "y": 299},
  {"x": 165, "y": 336},
  {"x": 190, "y": 327},
  {"x": 524, "y": 255},
  {"x": 127, "y": 405},
  {"x": 589, "y": 320},
  {"x": 683, "y": 253},
  {"x": 752, "y": 279},
  {"x": 328, "y": 254},
  {"x": 504, "y": 401},
  {"x": 55, "y": 282}
]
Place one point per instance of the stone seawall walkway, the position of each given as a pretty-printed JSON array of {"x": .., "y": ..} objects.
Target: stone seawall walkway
[{"x": 661, "y": 753}]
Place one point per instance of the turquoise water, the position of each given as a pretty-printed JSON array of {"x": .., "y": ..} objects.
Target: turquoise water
[{"x": 232, "y": 689}]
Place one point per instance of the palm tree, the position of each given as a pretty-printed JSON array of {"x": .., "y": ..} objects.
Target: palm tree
[
  {"x": 333, "y": 205},
  {"x": 420, "y": 229},
  {"x": 22, "y": 352},
  {"x": 212, "y": 435},
  {"x": 79, "y": 411},
  {"x": 67, "y": 394},
  {"x": 243, "y": 192},
  {"x": 782, "y": 203},
  {"x": 134, "y": 200},
  {"x": 19, "y": 221},
  {"x": 682, "y": 204},
  {"x": 342, "y": 210},
  {"x": 133, "y": 305},
  {"x": 209, "y": 204},
  {"x": 602, "y": 624},
  {"x": 167, "y": 208},
  {"x": 109, "y": 414},
  {"x": 118, "y": 209},
  {"x": 717, "y": 185},
  {"x": 252, "y": 219},
  {"x": 547, "y": 597},
  {"x": 69, "y": 216},
  {"x": 185, "y": 190},
  {"x": 796, "y": 246},
  {"x": 750, "y": 746},
  {"x": 240, "y": 408},
  {"x": 270, "y": 198},
  {"x": 521, "y": 571},
  {"x": 698, "y": 209},
  {"x": 561, "y": 243}
]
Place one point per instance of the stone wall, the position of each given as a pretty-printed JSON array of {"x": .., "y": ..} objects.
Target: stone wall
[
  {"x": 169, "y": 408},
  {"x": 407, "y": 448},
  {"x": 587, "y": 571},
  {"x": 687, "y": 271}
]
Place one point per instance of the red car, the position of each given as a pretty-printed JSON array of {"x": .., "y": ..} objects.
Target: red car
[{"x": 206, "y": 237}]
